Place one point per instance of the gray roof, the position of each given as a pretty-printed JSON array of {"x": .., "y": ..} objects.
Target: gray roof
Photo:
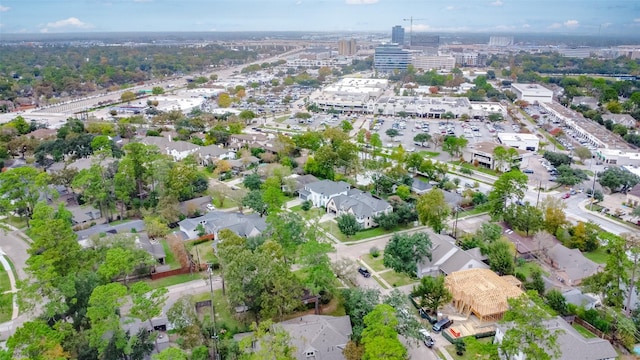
[
  {"x": 450, "y": 198},
  {"x": 328, "y": 187},
  {"x": 164, "y": 144},
  {"x": 420, "y": 186},
  {"x": 212, "y": 151},
  {"x": 361, "y": 203},
  {"x": 575, "y": 346},
  {"x": 576, "y": 297},
  {"x": 449, "y": 258},
  {"x": 81, "y": 214},
  {"x": 197, "y": 203},
  {"x": 572, "y": 262},
  {"x": 326, "y": 336},
  {"x": 303, "y": 180},
  {"x": 214, "y": 221},
  {"x": 623, "y": 119},
  {"x": 152, "y": 247}
]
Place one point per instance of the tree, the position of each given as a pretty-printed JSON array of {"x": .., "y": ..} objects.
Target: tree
[
  {"x": 615, "y": 278},
  {"x": 432, "y": 293},
  {"x": 556, "y": 301},
  {"x": 21, "y": 188},
  {"x": 171, "y": 353},
  {"x": 254, "y": 200},
  {"x": 554, "y": 215},
  {"x": 122, "y": 262},
  {"x": 422, "y": 138},
  {"x": 346, "y": 126},
  {"x": 403, "y": 252},
  {"x": 557, "y": 159},
  {"x": 582, "y": 153},
  {"x": 252, "y": 182},
  {"x": 618, "y": 179},
  {"x": 104, "y": 303},
  {"x": 379, "y": 337},
  {"x": 433, "y": 210},
  {"x": 272, "y": 195},
  {"x": 510, "y": 184},
  {"x": 454, "y": 145},
  {"x": 36, "y": 340},
  {"x": 348, "y": 224},
  {"x": 224, "y": 100},
  {"x": 392, "y": 133},
  {"x": 275, "y": 343},
  {"x": 157, "y": 90},
  {"x": 147, "y": 302},
  {"x": 358, "y": 302},
  {"x": 527, "y": 332},
  {"x": 127, "y": 96},
  {"x": 527, "y": 218},
  {"x": 570, "y": 176},
  {"x": 501, "y": 255}
]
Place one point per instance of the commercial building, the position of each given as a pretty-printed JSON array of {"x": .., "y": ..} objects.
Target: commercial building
[
  {"x": 618, "y": 157},
  {"x": 481, "y": 154},
  {"x": 347, "y": 47},
  {"x": 532, "y": 93},
  {"x": 422, "y": 40},
  {"x": 428, "y": 63},
  {"x": 390, "y": 57},
  {"x": 397, "y": 35},
  {"x": 501, "y": 41},
  {"x": 520, "y": 141}
]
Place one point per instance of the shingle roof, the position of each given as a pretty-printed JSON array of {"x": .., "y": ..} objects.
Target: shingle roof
[
  {"x": 325, "y": 335},
  {"x": 572, "y": 262},
  {"x": 635, "y": 191},
  {"x": 361, "y": 203},
  {"x": 214, "y": 221},
  {"x": 328, "y": 187}
]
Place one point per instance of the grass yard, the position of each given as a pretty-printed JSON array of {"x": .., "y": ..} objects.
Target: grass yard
[
  {"x": 224, "y": 318},
  {"x": 429, "y": 153},
  {"x": 5, "y": 285},
  {"x": 374, "y": 263},
  {"x": 174, "y": 280},
  {"x": 475, "y": 211},
  {"x": 397, "y": 279},
  {"x": 6, "y": 307},
  {"x": 584, "y": 332},
  {"x": 203, "y": 253},
  {"x": 598, "y": 256},
  {"x": 479, "y": 349},
  {"x": 312, "y": 213},
  {"x": 170, "y": 259},
  {"x": 380, "y": 282},
  {"x": 526, "y": 268},
  {"x": 16, "y": 221}
]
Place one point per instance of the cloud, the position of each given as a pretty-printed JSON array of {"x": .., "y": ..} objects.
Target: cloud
[
  {"x": 421, "y": 27},
  {"x": 360, "y": 2},
  {"x": 496, "y": 3},
  {"x": 66, "y": 24},
  {"x": 636, "y": 20},
  {"x": 299, "y": 2},
  {"x": 554, "y": 26},
  {"x": 571, "y": 23},
  {"x": 4, "y": 8},
  {"x": 450, "y": 8},
  {"x": 526, "y": 26}
]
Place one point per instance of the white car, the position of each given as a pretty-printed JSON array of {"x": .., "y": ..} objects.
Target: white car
[{"x": 210, "y": 207}]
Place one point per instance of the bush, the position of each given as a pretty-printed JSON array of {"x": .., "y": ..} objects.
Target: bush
[
  {"x": 466, "y": 171},
  {"x": 374, "y": 252},
  {"x": 306, "y": 205}
]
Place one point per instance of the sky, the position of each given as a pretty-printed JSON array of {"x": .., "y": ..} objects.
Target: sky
[{"x": 591, "y": 17}]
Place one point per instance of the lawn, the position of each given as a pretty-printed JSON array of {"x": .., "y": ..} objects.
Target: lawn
[
  {"x": 16, "y": 221},
  {"x": 203, "y": 253},
  {"x": 224, "y": 318},
  {"x": 397, "y": 279},
  {"x": 429, "y": 153},
  {"x": 312, "y": 213},
  {"x": 332, "y": 227},
  {"x": 476, "y": 349},
  {"x": 170, "y": 259},
  {"x": 475, "y": 211},
  {"x": 5, "y": 285},
  {"x": 526, "y": 268},
  {"x": 374, "y": 263},
  {"x": 584, "y": 332},
  {"x": 173, "y": 280},
  {"x": 598, "y": 256},
  {"x": 382, "y": 285},
  {"x": 6, "y": 307}
]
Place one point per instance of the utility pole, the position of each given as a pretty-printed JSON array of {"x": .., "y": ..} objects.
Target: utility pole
[
  {"x": 539, "y": 188},
  {"x": 214, "y": 337},
  {"x": 593, "y": 190}
]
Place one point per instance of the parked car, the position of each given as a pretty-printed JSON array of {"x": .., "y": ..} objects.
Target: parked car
[
  {"x": 442, "y": 324},
  {"x": 573, "y": 192},
  {"x": 566, "y": 196},
  {"x": 426, "y": 338},
  {"x": 210, "y": 207},
  {"x": 527, "y": 171},
  {"x": 364, "y": 272}
]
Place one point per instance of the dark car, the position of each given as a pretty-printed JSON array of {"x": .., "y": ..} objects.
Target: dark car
[
  {"x": 527, "y": 171},
  {"x": 442, "y": 324},
  {"x": 364, "y": 272}
]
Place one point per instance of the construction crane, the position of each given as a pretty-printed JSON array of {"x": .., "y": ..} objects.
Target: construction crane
[{"x": 410, "y": 20}]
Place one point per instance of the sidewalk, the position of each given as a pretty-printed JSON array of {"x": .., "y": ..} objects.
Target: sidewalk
[
  {"x": 12, "y": 282},
  {"x": 583, "y": 206}
]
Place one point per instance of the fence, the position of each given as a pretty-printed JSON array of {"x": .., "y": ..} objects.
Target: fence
[
  {"x": 591, "y": 328},
  {"x": 184, "y": 270}
]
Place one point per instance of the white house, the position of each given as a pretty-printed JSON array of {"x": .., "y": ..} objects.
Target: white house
[
  {"x": 359, "y": 204},
  {"x": 178, "y": 150},
  {"x": 320, "y": 192}
]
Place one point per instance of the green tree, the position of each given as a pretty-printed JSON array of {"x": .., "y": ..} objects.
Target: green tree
[
  {"x": 433, "y": 210},
  {"x": 275, "y": 343},
  {"x": 615, "y": 277},
  {"x": 147, "y": 302},
  {"x": 618, "y": 179},
  {"x": 527, "y": 332},
  {"x": 526, "y": 217},
  {"x": 379, "y": 337},
  {"x": 422, "y": 138},
  {"x": 403, "y": 252},
  {"x": 501, "y": 255},
  {"x": 454, "y": 145},
  {"x": 122, "y": 262},
  {"x": 171, "y": 353},
  {"x": 272, "y": 194},
  {"x": 255, "y": 201},
  {"x": 247, "y": 116},
  {"x": 509, "y": 185},
  {"x": 392, "y": 133},
  {"x": 432, "y": 293},
  {"x": 104, "y": 303},
  {"x": 252, "y": 182},
  {"x": 556, "y": 301},
  {"x": 157, "y": 90},
  {"x": 35, "y": 340},
  {"x": 127, "y": 96},
  {"x": 582, "y": 153},
  {"x": 346, "y": 126},
  {"x": 21, "y": 188},
  {"x": 348, "y": 224}
]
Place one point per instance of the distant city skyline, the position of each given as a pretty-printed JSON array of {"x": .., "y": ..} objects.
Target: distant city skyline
[{"x": 587, "y": 17}]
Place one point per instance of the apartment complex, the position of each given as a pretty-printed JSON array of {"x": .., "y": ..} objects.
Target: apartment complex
[
  {"x": 428, "y": 63},
  {"x": 347, "y": 47}
]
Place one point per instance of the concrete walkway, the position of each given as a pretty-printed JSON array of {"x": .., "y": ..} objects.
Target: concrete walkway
[
  {"x": 12, "y": 282},
  {"x": 445, "y": 353}
]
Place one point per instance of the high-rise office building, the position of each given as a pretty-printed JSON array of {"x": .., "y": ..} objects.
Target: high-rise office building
[
  {"x": 397, "y": 35},
  {"x": 390, "y": 57},
  {"x": 425, "y": 40},
  {"x": 347, "y": 47}
]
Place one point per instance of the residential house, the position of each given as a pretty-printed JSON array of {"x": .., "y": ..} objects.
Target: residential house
[
  {"x": 578, "y": 298},
  {"x": 245, "y": 225},
  {"x": 625, "y": 120},
  {"x": 84, "y": 214},
  {"x": 451, "y": 198},
  {"x": 211, "y": 154},
  {"x": 199, "y": 204},
  {"x": 298, "y": 182},
  {"x": 237, "y": 141},
  {"x": 447, "y": 258},
  {"x": 633, "y": 196},
  {"x": 588, "y": 101},
  {"x": 420, "y": 187},
  {"x": 178, "y": 150},
  {"x": 315, "y": 337},
  {"x": 320, "y": 192},
  {"x": 360, "y": 204},
  {"x": 571, "y": 343},
  {"x": 319, "y": 337},
  {"x": 570, "y": 266},
  {"x": 239, "y": 165},
  {"x": 79, "y": 164}
]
